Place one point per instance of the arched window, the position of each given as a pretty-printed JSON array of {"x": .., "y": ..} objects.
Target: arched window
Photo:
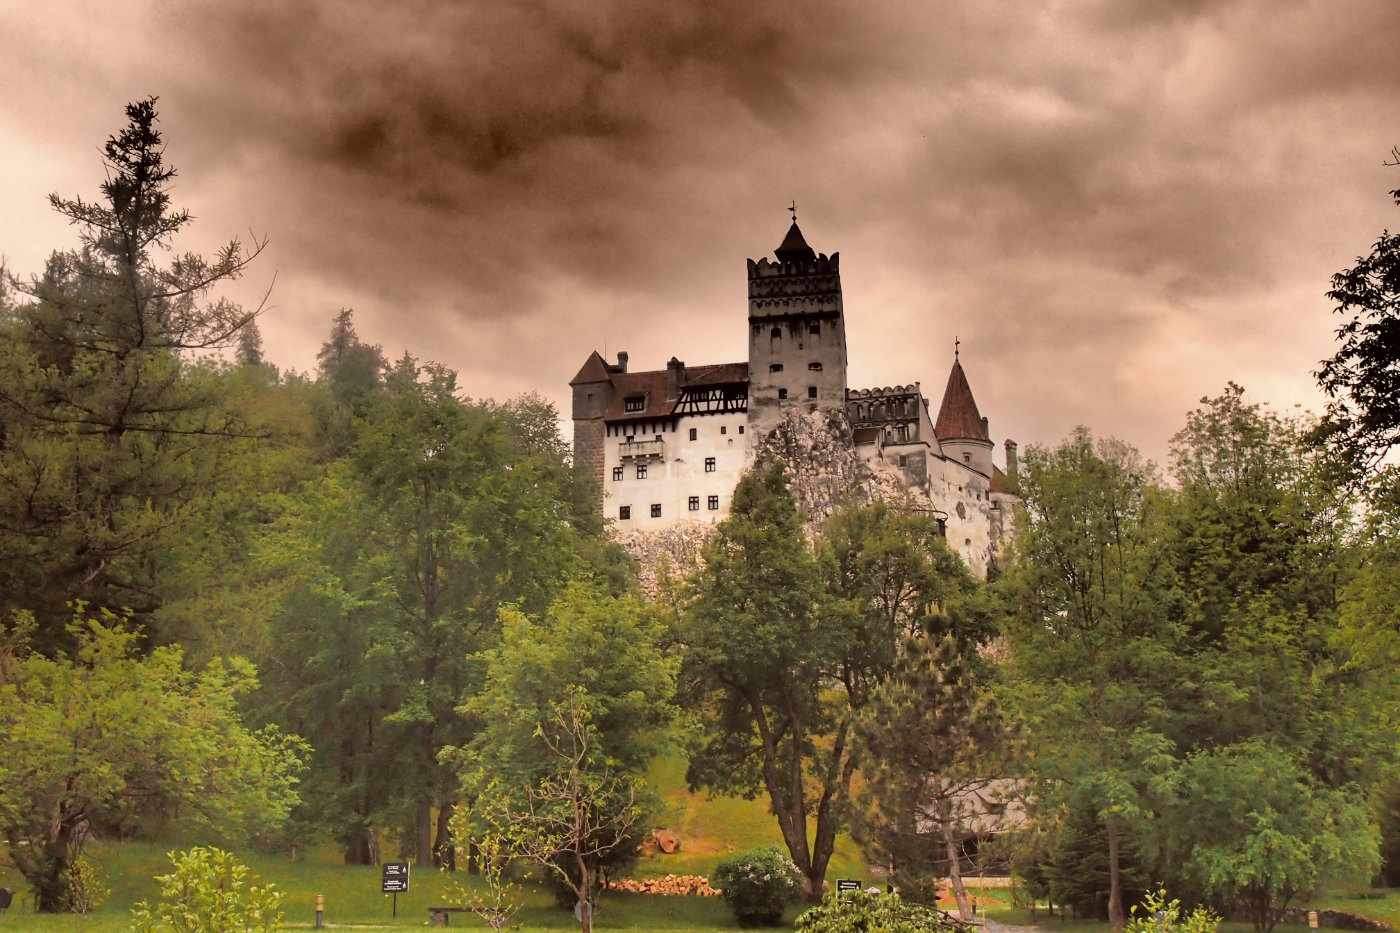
[
  {"x": 775, "y": 367},
  {"x": 775, "y": 332},
  {"x": 815, "y": 367}
]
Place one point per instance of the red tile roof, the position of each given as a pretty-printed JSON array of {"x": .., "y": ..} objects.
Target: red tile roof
[
  {"x": 958, "y": 418},
  {"x": 652, "y": 386}
]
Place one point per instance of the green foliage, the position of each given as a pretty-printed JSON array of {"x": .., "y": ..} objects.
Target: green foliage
[
  {"x": 858, "y": 912},
  {"x": 1155, "y": 914},
  {"x": 400, "y": 560},
  {"x": 575, "y": 707},
  {"x": 117, "y": 423},
  {"x": 786, "y": 642},
  {"x": 1088, "y": 620},
  {"x": 758, "y": 885},
  {"x": 113, "y": 736},
  {"x": 501, "y": 898},
  {"x": 208, "y": 892}
]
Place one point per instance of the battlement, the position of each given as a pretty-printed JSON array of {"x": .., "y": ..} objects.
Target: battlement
[{"x": 799, "y": 287}]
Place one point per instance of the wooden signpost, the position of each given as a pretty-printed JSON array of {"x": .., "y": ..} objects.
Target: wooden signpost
[{"x": 395, "y": 881}]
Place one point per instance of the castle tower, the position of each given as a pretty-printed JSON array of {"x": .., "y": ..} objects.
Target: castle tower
[
  {"x": 962, "y": 432},
  {"x": 797, "y": 334},
  {"x": 593, "y": 393}
]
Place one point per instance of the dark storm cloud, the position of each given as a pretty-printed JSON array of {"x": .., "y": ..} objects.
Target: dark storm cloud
[{"x": 1117, "y": 204}]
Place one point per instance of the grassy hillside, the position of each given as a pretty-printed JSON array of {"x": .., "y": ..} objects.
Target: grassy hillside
[{"x": 712, "y": 827}]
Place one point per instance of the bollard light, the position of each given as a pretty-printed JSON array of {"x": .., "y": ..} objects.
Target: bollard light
[{"x": 320, "y": 909}]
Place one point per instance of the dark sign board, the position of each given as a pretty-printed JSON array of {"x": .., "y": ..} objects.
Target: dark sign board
[
  {"x": 845, "y": 884},
  {"x": 395, "y": 878}
]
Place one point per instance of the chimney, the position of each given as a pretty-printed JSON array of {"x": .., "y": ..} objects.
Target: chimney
[
  {"x": 675, "y": 378},
  {"x": 1011, "y": 461},
  {"x": 622, "y": 360}
]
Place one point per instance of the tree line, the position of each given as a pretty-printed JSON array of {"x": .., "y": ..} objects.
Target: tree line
[{"x": 374, "y": 612}]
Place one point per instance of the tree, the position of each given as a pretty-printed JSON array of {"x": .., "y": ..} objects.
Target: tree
[
  {"x": 402, "y": 556},
  {"x": 582, "y": 812},
  {"x": 115, "y": 421},
  {"x": 1092, "y": 638},
  {"x": 932, "y": 740},
  {"x": 1362, "y": 379},
  {"x": 785, "y": 643},
  {"x": 578, "y": 700},
  {"x": 112, "y": 736}
]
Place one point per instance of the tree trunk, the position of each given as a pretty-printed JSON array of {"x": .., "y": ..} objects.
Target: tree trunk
[
  {"x": 444, "y": 852},
  {"x": 1115, "y": 879},
  {"x": 955, "y": 880},
  {"x": 423, "y": 833}
]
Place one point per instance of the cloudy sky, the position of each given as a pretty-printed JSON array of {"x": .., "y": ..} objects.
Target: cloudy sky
[{"x": 1116, "y": 205}]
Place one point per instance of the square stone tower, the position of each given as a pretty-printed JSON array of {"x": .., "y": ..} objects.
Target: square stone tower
[{"x": 797, "y": 334}]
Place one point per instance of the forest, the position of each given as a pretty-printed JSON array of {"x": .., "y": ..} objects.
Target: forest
[{"x": 357, "y": 608}]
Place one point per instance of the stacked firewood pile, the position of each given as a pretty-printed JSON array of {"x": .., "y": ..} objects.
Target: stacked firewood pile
[{"x": 671, "y": 884}]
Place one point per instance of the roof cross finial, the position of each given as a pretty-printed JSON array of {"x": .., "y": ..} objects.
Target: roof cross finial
[
  {"x": 794, "y": 211},
  {"x": 956, "y": 344}
]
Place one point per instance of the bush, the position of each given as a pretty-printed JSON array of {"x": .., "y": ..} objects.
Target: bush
[
  {"x": 757, "y": 885},
  {"x": 858, "y": 912},
  {"x": 206, "y": 894}
]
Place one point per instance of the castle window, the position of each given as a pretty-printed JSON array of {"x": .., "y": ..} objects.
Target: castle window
[
  {"x": 641, "y": 471},
  {"x": 967, "y": 458},
  {"x": 624, "y": 513},
  {"x": 709, "y": 464},
  {"x": 775, "y": 367},
  {"x": 656, "y": 510},
  {"x": 692, "y": 434},
  {"x": 942, "y": 527},
  {"x": 617, "y": 474},
  {"x": 660, "y": 438},
  {"x": 814, "y": 329},
  {"x": 714, "y": 503},
  {"x": 815, "y": 367},
  {"x": 694, "y": 503},
  {"x": 631, "y": 438},
  {"x": 741, "y": 429},
  {"x": 782, "y": 393},
  {"x": 903, "y": 460},
  {"x": 723, "y": 429},
  {"x": 811, "y": 391},
  {"x": 635, "y": 403},
  {"x": 776, "y": 332}
]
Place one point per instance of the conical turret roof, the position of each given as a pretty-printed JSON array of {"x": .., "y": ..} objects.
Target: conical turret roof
[
  {"x": 958, "y": 417},
  {"x": 794, "y": 248},
  {"x": 594, "y": 370}
]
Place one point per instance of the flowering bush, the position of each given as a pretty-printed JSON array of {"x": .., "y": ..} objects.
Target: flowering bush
[{"x": 757, "y": 885}]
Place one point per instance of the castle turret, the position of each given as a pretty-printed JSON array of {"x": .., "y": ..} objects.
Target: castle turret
[
  {"x": 592, "y": 389},
  {"x": 797, "y": 333},
  {"x": 963, "y": 434}
]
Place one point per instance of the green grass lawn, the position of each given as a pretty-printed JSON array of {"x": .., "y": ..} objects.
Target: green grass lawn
[{"x": 709, "y": 829}]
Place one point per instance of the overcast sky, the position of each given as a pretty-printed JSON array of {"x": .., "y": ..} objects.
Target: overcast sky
[{"x": 1116, "y": 205}]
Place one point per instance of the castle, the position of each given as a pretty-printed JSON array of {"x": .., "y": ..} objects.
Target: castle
[{"x": 668, "y": 446}]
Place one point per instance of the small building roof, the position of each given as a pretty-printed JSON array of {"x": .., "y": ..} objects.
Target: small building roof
[
  {"x": 651, "y": 387},
  {"x": 958, "y": 418},
  {"x": 795, "y": 248},
  {"x": 594, "y": 370}
]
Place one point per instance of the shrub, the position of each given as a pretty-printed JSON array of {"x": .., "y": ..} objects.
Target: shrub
[
  {"x": 1158, "y": 915},
  {"x": 858, "y": 912},
  {"x": 757, "y": 885},
  {"x": 206, "y": 894}
]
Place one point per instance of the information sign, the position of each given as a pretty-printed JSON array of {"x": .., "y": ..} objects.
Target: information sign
[
  {"x": 395, "y": 880},
  {"x": 845, "y": 884}
]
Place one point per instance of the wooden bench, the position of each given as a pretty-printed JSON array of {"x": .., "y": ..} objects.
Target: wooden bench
[{"x": 439, "y": 916}]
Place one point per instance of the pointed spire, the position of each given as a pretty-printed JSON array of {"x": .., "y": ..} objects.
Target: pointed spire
[
  {"x": 794, "y": 248},
  {"x": 958, "y": 417}
]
